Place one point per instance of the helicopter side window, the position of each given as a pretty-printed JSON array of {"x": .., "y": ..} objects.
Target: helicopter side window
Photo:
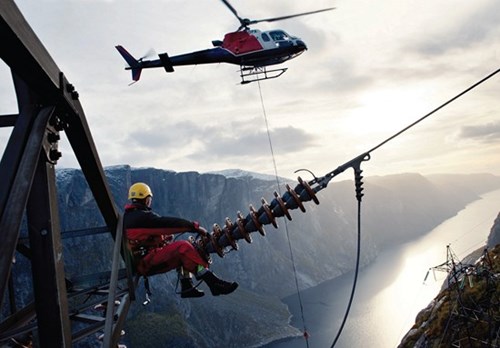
[
  {"x": 278, "y": 35},
  {"x": 265, "y": 37}
]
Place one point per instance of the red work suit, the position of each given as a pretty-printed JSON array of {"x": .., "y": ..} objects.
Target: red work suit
[{"x": 150, "y": 240}]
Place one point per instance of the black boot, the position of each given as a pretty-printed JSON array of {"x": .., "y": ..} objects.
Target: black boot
[
  {"x": 218, "y": 286},
  {"x": 188, "y": 290}
]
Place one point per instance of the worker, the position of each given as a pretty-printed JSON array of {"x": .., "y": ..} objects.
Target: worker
[{"x": 149, "y": 238}]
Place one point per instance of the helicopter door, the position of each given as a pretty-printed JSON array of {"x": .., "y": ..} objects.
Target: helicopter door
[{"x": 266, "y": 41}]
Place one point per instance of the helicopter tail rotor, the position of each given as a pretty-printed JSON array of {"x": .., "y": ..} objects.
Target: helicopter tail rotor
[{"x": 149, "y": 54}]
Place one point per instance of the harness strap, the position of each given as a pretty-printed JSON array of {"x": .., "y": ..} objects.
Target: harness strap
[{"x": 148, "y": 291}]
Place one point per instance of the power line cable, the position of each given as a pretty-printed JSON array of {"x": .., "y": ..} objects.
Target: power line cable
[
  {"x": 355, "y": 164},
  {"x": 435, "y": 110},
  {"x": 356, "y": 272}
]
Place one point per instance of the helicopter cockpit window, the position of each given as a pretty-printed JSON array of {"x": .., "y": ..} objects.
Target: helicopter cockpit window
[
  {"x": 265, "y": 37},
  {"x": 278, "y": 35}
]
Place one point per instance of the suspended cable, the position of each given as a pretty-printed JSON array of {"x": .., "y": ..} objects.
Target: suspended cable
[
  {"x": 319, "y": 183},
  {"x": 355, "y": 164},
  {"x": 306, "y": 335},
  {"x": 356, "y": 272},
  {"x": 435, "y": 110},
  {"x": 269, "y": 138},
  {"x": 324, "y": 180}
]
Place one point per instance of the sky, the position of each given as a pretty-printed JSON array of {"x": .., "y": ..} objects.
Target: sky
[{"x": 371, "y": 69}]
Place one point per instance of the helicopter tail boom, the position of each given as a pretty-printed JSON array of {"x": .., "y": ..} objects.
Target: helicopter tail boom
[{"x": 134, "y": 64}]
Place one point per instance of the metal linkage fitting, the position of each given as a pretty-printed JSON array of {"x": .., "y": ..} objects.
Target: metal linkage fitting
[{"x": 51, "y": 140}]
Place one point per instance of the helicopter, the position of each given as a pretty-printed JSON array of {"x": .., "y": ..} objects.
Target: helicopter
[{"x": 253, "y": 50}]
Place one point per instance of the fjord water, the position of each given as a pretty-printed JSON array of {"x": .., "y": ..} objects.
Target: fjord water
[{"x": 391, "y": 291}]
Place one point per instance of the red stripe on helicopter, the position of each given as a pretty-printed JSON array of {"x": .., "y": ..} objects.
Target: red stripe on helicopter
[{"x": 241, "y": 42}]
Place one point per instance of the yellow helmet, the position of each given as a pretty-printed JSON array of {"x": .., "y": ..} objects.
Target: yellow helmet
[{"x": 139, "y": 190}]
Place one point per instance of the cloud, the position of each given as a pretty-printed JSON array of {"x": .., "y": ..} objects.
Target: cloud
[
  {"x": 475, "y": 28},
  {"x": 159, "y": 134},
  {"x": 489, "y": 132},
  {"x": 201, "y": 142},
  {"x": 254, "y": 143}
]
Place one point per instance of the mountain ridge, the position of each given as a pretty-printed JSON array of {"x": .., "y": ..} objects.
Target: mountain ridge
[{"x": 322, "y": 241}]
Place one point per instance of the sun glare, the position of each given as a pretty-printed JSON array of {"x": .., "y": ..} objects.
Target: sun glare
[{"x": 391, "y": 109}]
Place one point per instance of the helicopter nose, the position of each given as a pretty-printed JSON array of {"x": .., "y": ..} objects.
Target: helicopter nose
[{"x": 301, "y": 44}]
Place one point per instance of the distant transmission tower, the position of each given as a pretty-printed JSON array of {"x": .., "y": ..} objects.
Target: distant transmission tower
[{"x": 473, "y": 319}]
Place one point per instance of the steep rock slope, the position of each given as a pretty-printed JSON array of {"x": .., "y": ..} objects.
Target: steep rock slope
[{"x": 467, "y": 311}]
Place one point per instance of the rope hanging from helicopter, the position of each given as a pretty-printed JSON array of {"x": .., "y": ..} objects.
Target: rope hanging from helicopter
[
  {"x": 355, "y": 163},
  {"x": 305, "y": 333}
]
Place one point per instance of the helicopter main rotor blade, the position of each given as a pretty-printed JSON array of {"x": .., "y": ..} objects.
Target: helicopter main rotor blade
[
  {"x": 231, "y": 8},
  {"x": 287, "y": 17}
]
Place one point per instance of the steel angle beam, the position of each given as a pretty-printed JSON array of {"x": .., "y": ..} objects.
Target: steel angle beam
[
  {"x": 47, "y": 264},
  {"x": 16, "y": 145},
  {"x": 7, "y": 120},
  {"x": 13, "y": 154},
  {"x": 29, "y": 60},
  {"x": 17, "y": 196},
  {"x": 20, "y": 322},
  {"x": 48, "y": 103},
  {"x": 112, "y": 329}
]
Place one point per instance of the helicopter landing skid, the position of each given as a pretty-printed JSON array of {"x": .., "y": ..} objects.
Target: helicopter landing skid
[{"x": 251, "y": 74}]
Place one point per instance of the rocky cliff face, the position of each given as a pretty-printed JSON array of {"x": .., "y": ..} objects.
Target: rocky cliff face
[
  {"x": 395, "y": 209},
  {"x": 466, "y": 311},
  {"x": 494, "y": 237}
]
